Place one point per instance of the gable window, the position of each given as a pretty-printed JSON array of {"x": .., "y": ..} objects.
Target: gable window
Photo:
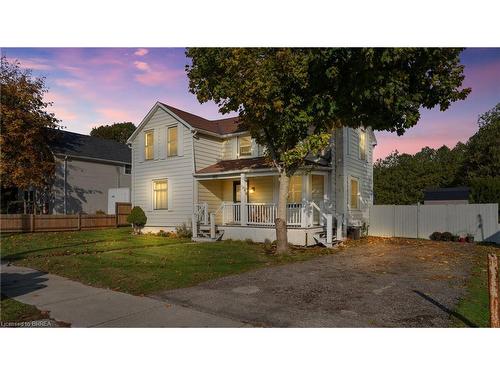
[
  {"x": 172, "y": 141},
  {"x": 149, "y": 145},
  {"x": 362, "y": 144},
  {"x": 295, "y": 190},
  {"x": 245, "y": 145},
  {"x": 160, "y": 194},
  {"x": 354, "y": 194}
]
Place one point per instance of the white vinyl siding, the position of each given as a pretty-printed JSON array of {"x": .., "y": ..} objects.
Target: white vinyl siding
[
  {"x": 177, "y": 170},
  {"x": 208, "y": 151}
]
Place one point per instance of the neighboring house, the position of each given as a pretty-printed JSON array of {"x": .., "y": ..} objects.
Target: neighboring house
[
  {"x": 455, "y": 195},
  {"x": 185, "y": 166}
]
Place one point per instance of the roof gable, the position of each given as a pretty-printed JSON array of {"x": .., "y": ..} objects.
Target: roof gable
[{"x": 86, "y": 146}]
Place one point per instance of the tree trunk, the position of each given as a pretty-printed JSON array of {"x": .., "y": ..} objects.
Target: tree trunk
[{"x": 280, "y": 222}]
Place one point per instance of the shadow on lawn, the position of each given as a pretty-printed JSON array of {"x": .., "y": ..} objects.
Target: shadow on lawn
[
  {"x": 22, "y": 254},
  {"x": 460, "y": 317},
  {"x": 18, "y": 284}
]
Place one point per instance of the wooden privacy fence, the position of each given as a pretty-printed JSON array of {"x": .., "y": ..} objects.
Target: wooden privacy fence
[
  {"x": 56, "y": 223},
  {"x": 420, "y": 221}
]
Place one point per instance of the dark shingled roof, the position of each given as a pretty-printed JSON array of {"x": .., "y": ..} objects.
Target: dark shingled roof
[
  {"x": 447, "y": 194},
  {"x": 235, "y": 165},
  {"x": 80, "y": 145},
  {"x": 222, "y": 126}
]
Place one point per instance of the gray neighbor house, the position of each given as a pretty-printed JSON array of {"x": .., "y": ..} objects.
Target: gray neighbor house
[
  {"x": 90, "y": 175},
  {"x": 86, "y": 169},
  {"x": 212, "y": 174}
]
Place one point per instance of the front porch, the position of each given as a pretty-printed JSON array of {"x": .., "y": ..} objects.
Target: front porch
[{"x": 244, "y": 206}]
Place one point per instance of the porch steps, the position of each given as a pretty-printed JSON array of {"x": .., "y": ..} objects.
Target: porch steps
[
  {"x": 320, "y": 239},
  {"x": 204, "y": 234}
]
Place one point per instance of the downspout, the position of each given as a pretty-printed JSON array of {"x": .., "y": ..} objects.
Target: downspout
[{"x": 65, "y": 182}]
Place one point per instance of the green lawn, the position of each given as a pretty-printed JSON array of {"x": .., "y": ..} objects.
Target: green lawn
[
  {"x": 13, "y": 311},
  {"x": 143, "y": 264},
  {"x": 475, "y": 304}
]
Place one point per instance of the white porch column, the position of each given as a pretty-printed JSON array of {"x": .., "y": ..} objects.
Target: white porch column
[
  {"x": 306, "y": 214},
  {"x": 194, "y": 227},
  {"x": 243, "y": 199}
]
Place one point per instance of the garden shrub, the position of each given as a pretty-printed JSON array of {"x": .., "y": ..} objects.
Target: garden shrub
[
  {"x": 100, "y": 212},
  {"x": 446, "y": 236},
  {"x": 436, "y": 236},
  {"x": 183, "y": 231},
  {"x": 137, "y": 218}
]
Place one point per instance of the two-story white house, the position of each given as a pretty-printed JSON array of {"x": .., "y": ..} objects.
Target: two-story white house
[{"x": 213, "y": 175}]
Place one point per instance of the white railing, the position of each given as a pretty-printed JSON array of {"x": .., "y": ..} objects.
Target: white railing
[
  {"x": 294, "y": 214},
  {"x": 200, "y": 211},
  {"x": 256, "y": 213},
  {"x": 231, "y": 213},
  {"x": 318, "y": 213},
  {"x": 261, "y": 213}
]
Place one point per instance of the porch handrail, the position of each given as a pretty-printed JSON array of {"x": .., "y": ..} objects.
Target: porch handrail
[{"x": 200, "y": 211}]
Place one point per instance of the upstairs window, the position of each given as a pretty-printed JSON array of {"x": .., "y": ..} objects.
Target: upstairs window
[
  {"x": 354, "y": 194},
  {"x": 362, "y": 144},
  {"x": 172, "y": 141},
  {"x": 128, "y": 169},
  {"x": 148, "y": 145},
  {"x": 160, "y": 194},
  {"x": 245, "y": 145}
]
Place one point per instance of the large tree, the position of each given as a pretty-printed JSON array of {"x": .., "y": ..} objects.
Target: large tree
[
  {"x": 26, "y": 160},
  {"x": 291, "y": 99},
  {"x": 119, "y": 131}
]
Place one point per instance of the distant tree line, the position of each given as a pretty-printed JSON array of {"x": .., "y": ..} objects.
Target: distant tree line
[
  {"x": 120, "y": 131},
  {"x": 402, "y": 178}
]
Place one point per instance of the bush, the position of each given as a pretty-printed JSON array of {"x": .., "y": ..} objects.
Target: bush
[
  {"x": 137, "y": 218},
  {"x": 183, "y": 231},
  {"x": 436, "y": 236},
  {"x": 446, "y": 236},
  {"x": 100, "y": 212}
]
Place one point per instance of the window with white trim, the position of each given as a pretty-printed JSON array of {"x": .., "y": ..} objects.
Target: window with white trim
[
  {"x": 172, "y": 141},
  {"x": 295, "y": 190},
  {"x": 362, "y": 144},
  {"x": 149, "y": 145},
  {"x": 354, "y": 196},
  {"x": 245, "y": 145},
  {"x": 160, "y": 194}
]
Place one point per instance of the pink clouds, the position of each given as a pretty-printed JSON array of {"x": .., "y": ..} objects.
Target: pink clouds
[
  {"x": 153, "y": 76},
  {"x": 141, "y": 65},
  {"x": 35, "y": 63},
  {"x": 115, "y": 115},
  {"x": 141, "y": 52}
]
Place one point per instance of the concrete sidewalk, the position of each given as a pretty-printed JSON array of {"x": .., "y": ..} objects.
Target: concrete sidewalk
[{"x": 85, "y": 306}]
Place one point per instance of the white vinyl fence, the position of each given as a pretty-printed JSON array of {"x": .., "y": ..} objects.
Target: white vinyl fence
[{"x": 420, "y": 221}]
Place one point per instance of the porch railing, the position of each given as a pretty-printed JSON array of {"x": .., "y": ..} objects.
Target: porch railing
[
  {"x": 258, "y": 213},
  {"x": 200, "y": 211}
]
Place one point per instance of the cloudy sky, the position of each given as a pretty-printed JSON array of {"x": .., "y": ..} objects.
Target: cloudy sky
[{"x": 91, "y": 87}]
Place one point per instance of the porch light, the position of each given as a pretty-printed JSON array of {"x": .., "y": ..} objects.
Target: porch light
[{"x": 252, "y": 190}]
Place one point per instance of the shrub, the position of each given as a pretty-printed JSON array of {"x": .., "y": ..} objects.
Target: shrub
[
  {"x": 436, "y": 236},
  {"x": 100, "y": 212},
  {"x": 446, "y": 236},
  {"x": 137, "y": 218},
  {"x": 249, "y": 241},
  {"x": 183, "y": 231}
]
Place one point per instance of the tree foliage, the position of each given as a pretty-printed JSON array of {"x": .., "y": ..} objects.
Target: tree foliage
[
  {"x": 401, "y": 178},
  {"x": 137, "y": 218},
  {"x": 119, "y": 131},
  {"x": 292, "y": 98},
  {"x": 26, "y": 160}
]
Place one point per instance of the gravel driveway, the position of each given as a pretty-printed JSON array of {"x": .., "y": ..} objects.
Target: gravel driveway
[{"x": 376, "y": 283}]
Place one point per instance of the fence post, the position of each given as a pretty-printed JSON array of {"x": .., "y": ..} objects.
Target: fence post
[
  {"x": 32, "y": 223},
  {"x": 79, "y": 221},
  {"x": 116, "y": 214},
  {"x": 493, "y": 290}
]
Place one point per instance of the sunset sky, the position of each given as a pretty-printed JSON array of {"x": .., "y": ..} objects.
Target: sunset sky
[{"x": 91, "y": 87}]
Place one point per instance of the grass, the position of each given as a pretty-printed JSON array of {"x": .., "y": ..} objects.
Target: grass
[
  {"x": 474, "y": 306},
  {"x": 118, "y": 260},
  {"x": 13, "y": 311}
]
